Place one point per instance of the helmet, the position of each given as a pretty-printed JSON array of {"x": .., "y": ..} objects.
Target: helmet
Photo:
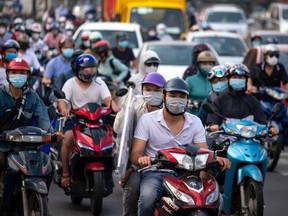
[
  {"x": 55, "y": 25},
  {"x": 217, "y": 71},
  {"x": 62, "y": 19},
  {"x": 95, "y": 36},
  {"x": 239, "y": 69},
  {"x": 101, "y": 46},
  {"x": 36, "y": 27},
  {"x": 85, "y": 60},
  {"x": 22, "y": 37},
  {"x": 17, "y": 21},
  {"x": 74, "y": 56},
  {"x": 155, "y": 79},
  {"x": 121, "y": 36},
  {"x": 85, "y": 35},
  {"x": 20, "y": 28},
  {"x": 18, "y": 64},
  {"x": 176, "y": 84},
  {"x": 271, "y": 40},
  {"x": 271, "y": 48},
  {"x": 11, "y": 44},
  {"x": 161, "y": 27},
  {"x": 69, "y": 26},
  {"x": 65, "y": 40},
  {"x": 206, "y": 56}
]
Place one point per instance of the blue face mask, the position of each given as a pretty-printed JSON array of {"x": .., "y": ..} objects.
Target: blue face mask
[
  {"x": 10, "y": 56},
  {"x": 237, "y": 84},
  {"x": 255, "y": 43},
  {"x": 68, "y": 52},
  {"x": 220, "y": 87},
  {"x": 18, "y": 80},
  {"x": 123, "y": 44}
]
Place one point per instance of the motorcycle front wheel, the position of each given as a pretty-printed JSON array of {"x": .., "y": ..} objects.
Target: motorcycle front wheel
[
  {"x": 96, "y": 196},
  {"x": 37, "y": 204},
  {"x": 274, "y": 151},
  {"x": 254, "y": 198}
]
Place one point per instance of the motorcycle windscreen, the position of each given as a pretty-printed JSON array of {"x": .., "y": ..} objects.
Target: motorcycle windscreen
[{"x": 124, "y": 139}]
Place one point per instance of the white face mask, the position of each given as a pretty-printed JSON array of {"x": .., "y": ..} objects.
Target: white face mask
[
  {"x": 272, "y": 61},
  {"x": 86, "y": 43},
  {"x": 150, "y": 69},
  {"x": 152, "y": 98},
  {"x": 175, "y": 105},
  {"x": 35, "y": 36},
  {"x": 2, "y": 30}
]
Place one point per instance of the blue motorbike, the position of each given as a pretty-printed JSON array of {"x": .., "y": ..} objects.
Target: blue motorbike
[
  {"x": 269, "y": 96},
  {"x": 243, "y": 188}
]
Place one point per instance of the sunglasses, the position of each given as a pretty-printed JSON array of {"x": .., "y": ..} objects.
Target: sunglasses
[
  {"x": 216, "y": 73},
  {"x": 152, "y": 64},
  {"x": 273, "y": 54}
]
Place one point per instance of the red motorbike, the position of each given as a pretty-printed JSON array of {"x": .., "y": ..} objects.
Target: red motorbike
[
  {"x": 188, "y": 194},
  {"x": 91, "y": 163}
]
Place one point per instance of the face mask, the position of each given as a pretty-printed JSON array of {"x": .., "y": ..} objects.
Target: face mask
[
  {"x": 87, "y": 77},
  {"x": 237, "y": 84},
  {"x": 35, "y": 36},
  {"x": 69, "y": 33},
  {"x": 152, "y": 98},
  {"x": 86, "y": 43},
  {"x": 176, "y": 106},
  {"x": 123, "y": 44},
  {"x": 17, "y": 80},
  {"x": 152, "y": 33},
  {"x": 68, "y": 52},
  {"x": 255, "y": 43},
  {"x": 38, "y": 55},
  {"x": 160, "y": 33},
  {"x": 150, "y": 69},
  {"x": 220, "y": 87},
  {"x": 204, "y": 69},
  {"x": 10, "y": 56},
  {"x": 55, "y": 32},
  {"x": 2, "y": 30},
  {"x": 272, "y": 61}
]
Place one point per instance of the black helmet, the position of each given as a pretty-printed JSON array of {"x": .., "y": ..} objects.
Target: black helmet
[
  {"x": 176, "y": 84},
  {"x": 74, "y": 56},
  {"x": 121, "y": 36},
  {"x": 10, "y": 44}
]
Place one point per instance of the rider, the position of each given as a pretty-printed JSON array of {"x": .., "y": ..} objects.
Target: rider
[
  {"x": 168, "y": 127},
  {"x": 149, "y": 62},
  {"x": 36, "y": 43},
  {"x": 198, "y": 85},
  {"x": 83, "y": 88},
  {"x": 53, "y": 38},
  {"x": 150, "y": 100},
  {"x": 235, "y": 103},
  {"x": 9, "y": 51},
  {"x": 269, "y": 72},
  {"x": 219, "y": 82},
  {"x": 4, "y": 33},
  {"x": 12, "y": 95}
]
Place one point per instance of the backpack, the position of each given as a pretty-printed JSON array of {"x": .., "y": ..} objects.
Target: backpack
[{"x": 117, "y": 72}]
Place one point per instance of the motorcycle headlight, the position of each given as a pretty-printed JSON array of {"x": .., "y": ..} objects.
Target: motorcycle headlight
[
  {"x": 29, "y": 138},
  {"x": 85, "y": 150},
  {"x": 185, "y": 161},
  {"x": 183, "y": 197},
  {"x": 200, "y": 161},
  {"x": 247, "y": 131},
  {"x": 214, "y": 196}
]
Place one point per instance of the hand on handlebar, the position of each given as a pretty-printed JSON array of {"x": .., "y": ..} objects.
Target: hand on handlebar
[
  {"x": 65, "y": 113},
  {"x": 144, "y": 161},
  {"x": 213, "y": 128},
  {"x": 224, "y": 163},
  {"x": 273, "y": 132},
  {"x": 57, "y": 137}
]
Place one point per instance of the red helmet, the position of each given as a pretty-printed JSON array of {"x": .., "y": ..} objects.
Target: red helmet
[
  {"x": 18, "y": 64},
  {"x": 101, "y": 46}
]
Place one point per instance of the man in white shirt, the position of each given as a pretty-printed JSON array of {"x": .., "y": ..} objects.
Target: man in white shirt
[
  {"x": 162, "y": 129},
  {"x": 80, "y": 90}
]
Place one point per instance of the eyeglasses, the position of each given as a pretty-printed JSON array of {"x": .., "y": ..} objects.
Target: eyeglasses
[
  {"x": 273, "y": 54},
  {"x": 216, "y": 73},
  {"x": 150, "y": 64},
  {"x": 239, "y": 71}
]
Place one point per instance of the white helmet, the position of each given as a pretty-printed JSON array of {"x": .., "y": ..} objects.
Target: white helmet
[
  {"x": 69, "y": 26},
  {"x": 271, "y": 48},
  {"x": 36, "y": 27}
]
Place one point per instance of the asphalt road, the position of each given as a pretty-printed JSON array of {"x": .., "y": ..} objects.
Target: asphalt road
[{"x": 275, "y": 196}]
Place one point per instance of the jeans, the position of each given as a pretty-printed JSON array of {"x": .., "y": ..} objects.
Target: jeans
[
  {"x": 151, "y": 190},
  {"x": 131, "y": 193}
]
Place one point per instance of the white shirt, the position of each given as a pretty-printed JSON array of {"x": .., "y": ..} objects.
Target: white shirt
[
  {"x": 30, "y": 57},
  {"x": 78, "y": 96},
  {"x": 153, "y": 129}
]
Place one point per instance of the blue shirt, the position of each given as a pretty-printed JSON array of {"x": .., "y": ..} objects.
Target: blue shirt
[
  {"x": 56, "y": 66},
  {"x": 34, "y": 108}
]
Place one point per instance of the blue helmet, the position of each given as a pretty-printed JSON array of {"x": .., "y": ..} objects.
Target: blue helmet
[
  {"x": 86, "y": 61},
  {"x": 55, "y": 25}
]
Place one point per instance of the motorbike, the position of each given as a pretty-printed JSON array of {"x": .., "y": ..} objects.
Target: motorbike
[
  {"x": 188, "y": 194},
  {"x": 91, "y": 163},
  {"x": 28, "y": 172},
  {"x": 243, "y": 188},
  {"x": 280, "y": 121}
]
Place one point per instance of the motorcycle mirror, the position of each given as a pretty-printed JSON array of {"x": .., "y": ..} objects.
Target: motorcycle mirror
[
  {"x": 121, "y": 92},
  {"x": 59, "y": 94},
  {"x": 51, "y": 112},
  {"x": 208, "y": 108}
]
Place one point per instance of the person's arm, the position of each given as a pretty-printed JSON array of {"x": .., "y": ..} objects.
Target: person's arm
[
  {"x": 122, "y": 68},
  {"x": 108, "y": 101},
  {"x": 137, "y": 153},
  {"x": 284, "y": 78},
  {"x": 48, "y": 72},
  {"x": 250, "y": 87}
]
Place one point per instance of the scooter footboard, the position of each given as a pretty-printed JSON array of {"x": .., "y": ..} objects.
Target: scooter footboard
[
  {"x": 36, "y": 184},
  {"x": 251, "y": 171}
]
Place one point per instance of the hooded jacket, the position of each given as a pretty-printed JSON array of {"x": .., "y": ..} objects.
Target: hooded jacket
[{"x": 138, "y": 78}]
